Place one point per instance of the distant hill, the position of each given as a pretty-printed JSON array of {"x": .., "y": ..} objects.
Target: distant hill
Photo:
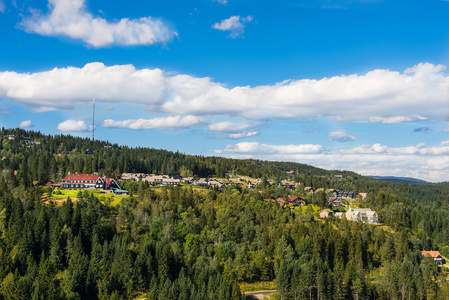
[{"x": 398, "y": 179}]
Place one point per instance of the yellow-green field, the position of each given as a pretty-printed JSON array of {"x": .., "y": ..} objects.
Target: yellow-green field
[
  {"x": 73, "y": 194},
  {"x": 315, "y": 208},
  {"x": 257, "y": 286}
]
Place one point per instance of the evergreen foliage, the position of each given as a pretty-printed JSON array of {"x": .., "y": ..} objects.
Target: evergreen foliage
[{"x": 182, "y": 244}]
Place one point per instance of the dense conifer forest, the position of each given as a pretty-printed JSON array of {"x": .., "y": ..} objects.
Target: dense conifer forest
[{"x": 180, "y": 243}]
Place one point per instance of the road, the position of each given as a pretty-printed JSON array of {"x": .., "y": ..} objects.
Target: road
[{"x": 260, "y": 294}]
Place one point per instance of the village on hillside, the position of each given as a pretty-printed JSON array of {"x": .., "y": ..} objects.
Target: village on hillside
[{"x": 340, "y": 204}]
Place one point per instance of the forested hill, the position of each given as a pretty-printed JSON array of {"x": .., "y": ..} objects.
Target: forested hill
[
  {"x": 54, "y": 157},
  {"x": 398, "y": 179},
  {"x": 187, "y": 243},
  {"x": 49, "y": 160}
]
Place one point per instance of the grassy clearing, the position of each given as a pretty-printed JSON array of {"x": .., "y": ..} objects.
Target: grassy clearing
[
  {"x": 140, "y": 296},
  {"x": 315, "y": 208},
  {"x": 110, "y": 198},
  {"x": 257, "y": 286},
  {"x": 64, "y": 194}
]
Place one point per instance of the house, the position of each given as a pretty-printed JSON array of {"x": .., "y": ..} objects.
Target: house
[
  {"x": 309, "y": 189},
  {"x": 335, "y": 202},
  {"x": 345, "y": 194},
  {"x": 363, "y": 195},
  {"x": 161, "y": 180},
  {"x": 325, "y": 213},
  {"x": 215, "y": 183},
  {"x": 288, "y": 186},
  {"x": 106, "y": 184},
  {"x": 201, "y": 182},
  {"x": 188, "y": 179},
  {"x": 362, "y": 214},
  {"x": 119, "y": 192},
  {"x": 49, "y": 184},
  {"x": 88, "y": 181},
  {"x": 435, "y": 255},
  {"x": 297, "y": 200},
  {"x": 132, "y": 176}
]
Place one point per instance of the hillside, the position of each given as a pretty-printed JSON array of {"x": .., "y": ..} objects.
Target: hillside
[
  {"x": 398, "y": 179},
  {"x": 182, "y": 243}
]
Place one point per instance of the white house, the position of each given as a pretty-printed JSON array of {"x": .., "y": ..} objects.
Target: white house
[{"x": 362, "y": 214}]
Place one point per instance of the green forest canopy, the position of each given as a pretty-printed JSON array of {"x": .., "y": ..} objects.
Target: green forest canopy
[{"x": 181, "y": 244}]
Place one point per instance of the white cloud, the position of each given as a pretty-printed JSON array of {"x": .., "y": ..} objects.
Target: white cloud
[
  {"x": 235, "y": 24},
  {"x": 379, "y": 93},
  {"x": 25, "y": 124},
  {"x": 171, "y": 122},
  {"x": 420, "y": 92},
  {"x": 242, "y": 135},
  {"x": 62, "y": 88},
  {"x": 235, "y": 130},
  {"x": 419, "y": 150},
  {"x": 43, "y": 109},
  {"x": 73, "y": 126},
  {"x": 341, "y": 136},
  {"x": 2, "y": 6},
  {"x": 231, "y": 126},
  {"x": 71, "y": 18},
  {"x": 258, "y": 148},
  {"x": 397, "y": 119}
]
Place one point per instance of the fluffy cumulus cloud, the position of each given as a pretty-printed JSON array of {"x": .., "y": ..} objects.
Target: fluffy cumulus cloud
[
  {"x": 233, "y": 130},
  {"x": 242, "y": 135},
  {"x": 397, "y": 119},
  {"x": 384, "y": 96},
  {"x": 234, "y": 24},
  {"x": 258, "y": 148},
  {"x": 171, "y": 122},
  {"x": 25, "y": 124},
  {"x": 340, "y": 136},
  {"x": 62, "y": 88},
  {"x": 231, "y": 126},
  {"x": 71, "y": 18},
  {"x": 73, "y": 126},
  {"x": 420, "y": 149}
]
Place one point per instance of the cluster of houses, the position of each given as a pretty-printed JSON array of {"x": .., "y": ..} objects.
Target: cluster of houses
[{"x": 166, "y": 180}]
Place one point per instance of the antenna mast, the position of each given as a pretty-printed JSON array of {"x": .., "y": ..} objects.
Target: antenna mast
[{"x": 93, "y": 120}]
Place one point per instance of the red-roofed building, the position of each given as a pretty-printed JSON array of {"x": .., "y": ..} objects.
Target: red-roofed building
[
  {"x": 435, "y": 255},
  {"x": 297, "y": 200},
  {"x": 49, "y": 184},
  {"x": 88, "y": 181}
]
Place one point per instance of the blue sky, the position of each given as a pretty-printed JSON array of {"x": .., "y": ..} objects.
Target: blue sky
[{"x": 358, "y": 85}]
